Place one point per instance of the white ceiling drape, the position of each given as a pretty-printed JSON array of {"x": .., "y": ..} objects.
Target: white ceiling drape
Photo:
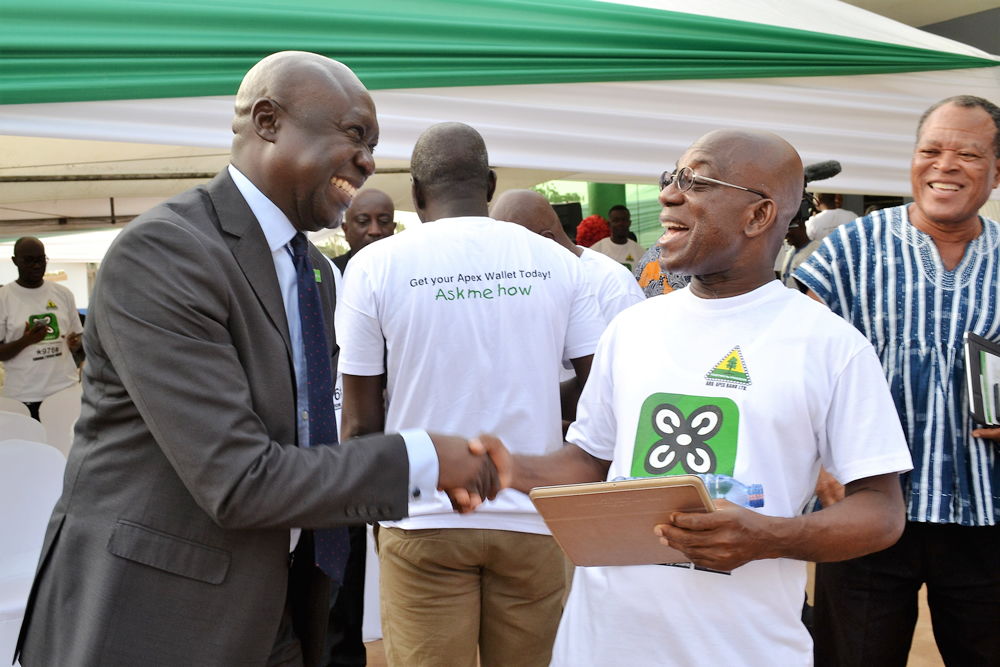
[{"x": 616, "y": 132}]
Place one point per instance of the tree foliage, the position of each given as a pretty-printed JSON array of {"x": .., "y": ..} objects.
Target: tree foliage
[{"x": 550, "y": 192}]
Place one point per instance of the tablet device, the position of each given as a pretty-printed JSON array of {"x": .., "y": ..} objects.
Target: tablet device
[
  {"x": 982, "y": 372},
  {"x": 611, "y": 523}
]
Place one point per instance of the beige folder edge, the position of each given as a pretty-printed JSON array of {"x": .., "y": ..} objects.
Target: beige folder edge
[{"x": 611, "y": 523}]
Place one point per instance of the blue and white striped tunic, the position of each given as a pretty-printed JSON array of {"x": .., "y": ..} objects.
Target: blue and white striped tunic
[{"x": 886, "y": 277}]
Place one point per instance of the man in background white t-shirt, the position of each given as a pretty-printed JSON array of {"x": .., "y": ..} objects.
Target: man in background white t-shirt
[
  {"x": 615, "y": 288},
  {"x": 619, "y": 246},
  {"x": 613, "y": 285},
  {"x": 752, "y": 380},
  {"x": 829, "y": 217},
  {"x": 40, "y": 329},
  {"x": 473, "y": 318}
]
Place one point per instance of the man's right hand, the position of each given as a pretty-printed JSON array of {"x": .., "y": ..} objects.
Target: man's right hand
[
  {"x": 34, "y": 334},
  {"x": 467, "y": 478}
]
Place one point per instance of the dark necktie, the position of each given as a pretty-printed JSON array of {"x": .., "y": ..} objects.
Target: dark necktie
[{"x": 332, "y": 544}]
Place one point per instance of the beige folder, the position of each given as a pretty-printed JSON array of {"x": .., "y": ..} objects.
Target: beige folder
[{"x": 611, "y": 523}]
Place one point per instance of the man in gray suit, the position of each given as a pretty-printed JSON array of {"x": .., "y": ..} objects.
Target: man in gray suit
[{"x": 170, "y": 544}]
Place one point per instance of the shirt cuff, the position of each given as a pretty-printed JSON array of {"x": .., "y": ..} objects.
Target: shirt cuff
[{"x": 423, "y": 463}]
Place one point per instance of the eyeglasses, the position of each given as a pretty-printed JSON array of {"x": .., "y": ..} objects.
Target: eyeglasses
[
  {"x": 33, "y": 259},
  {"x": 685, "y": 178}
]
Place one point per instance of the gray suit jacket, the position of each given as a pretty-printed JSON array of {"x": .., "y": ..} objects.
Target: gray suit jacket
[{"x": 169, "y": 545}]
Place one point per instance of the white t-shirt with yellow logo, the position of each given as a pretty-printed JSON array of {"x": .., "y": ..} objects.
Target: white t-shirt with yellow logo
[
  {"x": 42, "y": 369},
  {"x": 763, "y": 387},
  {"x": 627, "y": 254}
]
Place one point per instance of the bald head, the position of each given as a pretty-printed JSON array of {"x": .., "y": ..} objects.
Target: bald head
[
  {"x": 527, "y": 208},
  {"x": 28, "y": 245},
  {"x": 759, "y": 160},
  {"x": 369, "y": 199},
  {"x": 727, "y": 237},
  {"x": 370, "y": 218},
  {"x": 305, "y": 129},
  {"x": 300, "y": 82},
  {"x": 532, "y": 211},
  {"x": 29, "y": 258},
  {"x": 451, "y": 170}
]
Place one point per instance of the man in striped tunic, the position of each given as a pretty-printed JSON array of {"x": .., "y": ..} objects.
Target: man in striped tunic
[{"x": 914, "y": 279}]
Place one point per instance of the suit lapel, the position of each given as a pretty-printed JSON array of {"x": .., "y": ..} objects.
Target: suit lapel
[{"x": 249, "y": 247}]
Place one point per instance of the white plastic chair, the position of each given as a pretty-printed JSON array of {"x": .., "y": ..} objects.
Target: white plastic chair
[
  {"x": 11, "y": 405},
  {"x": 58, "y": 414},
  {"x": 19, "y": 427},
  {"x": 31, "y": 481}
]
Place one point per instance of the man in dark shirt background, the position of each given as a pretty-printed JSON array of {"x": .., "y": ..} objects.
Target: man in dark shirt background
[{"x": 369, "y": 219}]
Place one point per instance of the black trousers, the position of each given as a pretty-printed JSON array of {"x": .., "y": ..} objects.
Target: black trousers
[
  {"x": 866, "y": 608},
  {"x": 33, "y": 409},
  {"x": 344, "y": 643}
]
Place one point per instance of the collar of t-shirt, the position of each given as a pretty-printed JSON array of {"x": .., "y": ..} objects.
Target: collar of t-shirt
[{"x": 751, "y": 299}]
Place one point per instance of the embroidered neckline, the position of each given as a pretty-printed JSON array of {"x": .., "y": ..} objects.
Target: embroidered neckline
[{"x": 930, "y": 260}]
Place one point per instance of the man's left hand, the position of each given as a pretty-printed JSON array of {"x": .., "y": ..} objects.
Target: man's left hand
[
  {"x": 73, "y": 340},
  {"x": 987, "y": 433},
  {"x": 722, "y": 540}
]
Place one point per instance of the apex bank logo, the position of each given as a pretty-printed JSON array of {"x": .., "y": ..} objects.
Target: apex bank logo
[{"x": 730, "y": 372}]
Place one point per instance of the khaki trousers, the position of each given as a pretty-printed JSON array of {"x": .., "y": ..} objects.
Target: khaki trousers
[{"x": 445, "y": 593}]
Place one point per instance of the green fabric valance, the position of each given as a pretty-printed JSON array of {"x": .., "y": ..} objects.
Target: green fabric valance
[{"x": 76, "y": 50}]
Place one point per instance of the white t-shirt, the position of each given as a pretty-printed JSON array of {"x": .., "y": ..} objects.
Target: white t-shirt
[
  {"x": 616, "y": 289},
  {"x": 790, "y": 259},
  {"x": 338, "y": 387},
  {"x": 819, "y": 226},
  {"x": 44, "y": 368},
  {"x": 770, "y": 384},
  {"x": 627, "y": 254},
  {"x": 476, "y": 316}
]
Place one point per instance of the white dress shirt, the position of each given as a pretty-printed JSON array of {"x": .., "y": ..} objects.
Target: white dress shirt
[{"x": 279, "y": 231}]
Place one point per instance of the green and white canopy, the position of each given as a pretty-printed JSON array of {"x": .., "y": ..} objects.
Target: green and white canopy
[{"x": 610, "y": 90}]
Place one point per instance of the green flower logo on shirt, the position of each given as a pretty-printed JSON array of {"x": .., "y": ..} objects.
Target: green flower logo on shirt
[
  {"x": 50, "y": 320},
  {"x": 680, "y": 434}
]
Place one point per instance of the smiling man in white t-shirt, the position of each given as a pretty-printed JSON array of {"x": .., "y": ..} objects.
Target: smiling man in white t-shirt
[
  {"x": 752, "y": 380},
  {"x": 470, "y": 318}
]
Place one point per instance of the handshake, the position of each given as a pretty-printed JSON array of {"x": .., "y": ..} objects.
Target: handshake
[{"x": 471, "y": 471}]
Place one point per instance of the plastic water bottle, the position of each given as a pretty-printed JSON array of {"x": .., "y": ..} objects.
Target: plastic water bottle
[{"x": 724, "y": 486}]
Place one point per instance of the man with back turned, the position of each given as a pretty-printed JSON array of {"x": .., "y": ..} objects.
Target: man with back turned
[{"x": 467, "y": 320}]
